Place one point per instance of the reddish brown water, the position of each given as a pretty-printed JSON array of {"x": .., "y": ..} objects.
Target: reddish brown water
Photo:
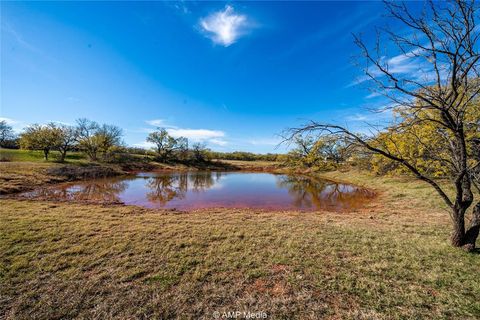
[{"x": 193, "y": 190}]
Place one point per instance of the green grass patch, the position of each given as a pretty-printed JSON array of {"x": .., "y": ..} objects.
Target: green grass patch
[{"x": 38, "y": 156}]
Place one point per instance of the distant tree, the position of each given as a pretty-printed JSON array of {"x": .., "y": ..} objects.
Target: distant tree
[
  {"x": 199, "y": 151},
  {"x": 241, "y": 155},
  {"x": 66, "y": 139},
  {"x": 94, "y": 138},
  {"x": 303, "y": 152},
  {"x": 108, "y": 137},
  {"x": 319, "y": 152},
  {"x": 333, "y": 149},
  {"x": 165, "y": 144},
  {"x": 87, "y": 139},
  {"x": 6, "y": 133},
  {"x": 40, "y": 137},
  {"x": 304, "y": 145},
  {"x": 440, "y": 100},
  {"x": 182, "y": 151}
]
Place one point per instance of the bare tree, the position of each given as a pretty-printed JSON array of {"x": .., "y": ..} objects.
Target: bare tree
[
  {"x": 6, "y": 133},
  {"x": 444, "y": 94},
  {"x": 86, "y": 137},
  {"x": 165, "y": 144},
  {"x": 94, "y": 138},
  {"x": 199, "y": 151},
  {"x": 66, "y": 140},
  {"x": 108, "y": 136}
]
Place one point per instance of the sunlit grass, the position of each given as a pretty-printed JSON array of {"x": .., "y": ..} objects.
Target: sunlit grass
[{"x": 38, "y": 156}]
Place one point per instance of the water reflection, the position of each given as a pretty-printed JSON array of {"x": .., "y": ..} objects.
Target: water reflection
[
  {"x": 101, "y": 190},
  {"x": 189, "y": 190},
  {"x": 311, "y": 192},
  {"x": 164, "y": 188}
]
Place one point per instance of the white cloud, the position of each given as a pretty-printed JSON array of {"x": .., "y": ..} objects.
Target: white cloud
[
  {"x": 404, "y": 64},
  {"x": 265, "y": 141},
  {"x": 61, "y": 123},
  {"x": 358, "y": 117},
  {"x": 408, "y": 64},
  {"x": 382, "y": 115},
  {"x": 9, "y": 121},
  {"x": 373, "y": 95},
  {"x": 219, "y": 142},
  {"x": 196, "y": 134},
  {"x": 144, "y": 144},
  {"x": 16, "y": 125},
  {"x": 224, "y": 27},
  {"x": 156, "y": 122}
]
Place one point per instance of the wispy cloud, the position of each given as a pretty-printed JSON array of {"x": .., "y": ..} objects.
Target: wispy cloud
[
  {"x": 16, "y": 125},
  {"x": 195, "y": 135},
  {"x": 402, "y": 64},
  {"x": 336, "y": 31},
  {"x": 61, "y": 122},
  {"x": 225, "y": 27},
  {"x": 144, "y": 145},
  {"x": 219, "y": 142},
  {"x": 373, "y": 95},
  {"x": 379, "y": 116},
  {"x": 408, "y": 64},
  {"x": 157, "y": 122},
  {"x": 181, "y": 6},
  {"x": 358, "y": 117},
  {"x": 9, "y": 121},
  {"x": 19, "y": 38},
  {"x": 265, "y": 141}
]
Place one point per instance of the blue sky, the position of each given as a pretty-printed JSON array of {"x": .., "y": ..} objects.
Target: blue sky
[{"x": 230, "y": 74}]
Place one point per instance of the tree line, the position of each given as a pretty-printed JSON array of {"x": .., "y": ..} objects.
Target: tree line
[
  {"x": 94, "y": 139},
  {"x": 103, "y": 142}
]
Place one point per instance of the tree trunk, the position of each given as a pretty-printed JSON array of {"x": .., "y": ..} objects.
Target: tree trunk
[
  {"x": 458, "y": 234},
  {"x": 472, "y": 233},
  {"x": 63, "y": 154},
  {"x": 92, "y": 155},
  {"x": 460, "y": 237}
]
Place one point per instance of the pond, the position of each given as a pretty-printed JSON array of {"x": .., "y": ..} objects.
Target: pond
[{"x": 195, "y": 190}]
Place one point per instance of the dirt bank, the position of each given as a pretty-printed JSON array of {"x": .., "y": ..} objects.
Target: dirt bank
[{"x": 24, "y": 176}]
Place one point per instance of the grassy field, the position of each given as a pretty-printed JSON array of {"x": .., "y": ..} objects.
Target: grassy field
[
  {"x": 37, "y": 156},
  {"x": 391, "y": 260}
]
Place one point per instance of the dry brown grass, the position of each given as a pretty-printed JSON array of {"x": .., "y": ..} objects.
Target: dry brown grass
[
  {"x": 254, "y": 165},
  {"x": 19, "y": 176},
  {"x": 22, "y": 176},
  {"x": 391, "y": 260}
]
